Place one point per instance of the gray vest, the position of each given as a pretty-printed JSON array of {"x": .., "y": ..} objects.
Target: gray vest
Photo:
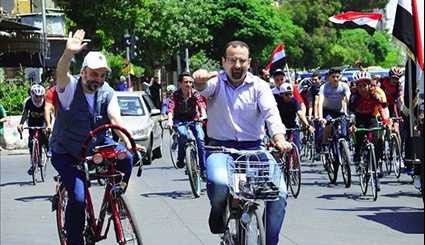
[{"x": 72, "y": 126}]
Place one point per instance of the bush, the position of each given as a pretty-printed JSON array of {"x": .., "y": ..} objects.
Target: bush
[{"x": 12, "y": 96}]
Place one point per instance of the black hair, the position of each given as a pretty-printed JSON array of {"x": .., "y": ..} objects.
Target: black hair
[
  {"x": 183, "y": 74},
  {"x": 315, "y": 74},
  {"x": 235, "y": 44},
  {"x": 334, "y": 70}
]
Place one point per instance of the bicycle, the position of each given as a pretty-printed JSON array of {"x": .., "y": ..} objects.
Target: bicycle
[
  {"x": 336, "y": 153},
  {"x": 191, "y": 158},
  {"x": 291, "y": 165},
  {"x": 252, "y": 179},
  {"x": 173, "y": 148},
  {"x": 368, "y": 163},
  {"x": 392, "y": 155},
  {"x": 114, "y": 207},
  {"x": 307, "y": 150},
  {"x": 38, "y": 165}
]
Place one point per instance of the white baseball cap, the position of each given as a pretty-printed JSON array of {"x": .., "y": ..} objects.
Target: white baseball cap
[
  {"x": 285, "y": 87},
  {"x": 95, "y": 60}
]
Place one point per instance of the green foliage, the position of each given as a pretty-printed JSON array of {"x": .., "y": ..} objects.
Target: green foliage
[
  {"x": 200, "y": 60},
  {"x": 116, "y": 63},
  {"x": 12, "y": 95}
]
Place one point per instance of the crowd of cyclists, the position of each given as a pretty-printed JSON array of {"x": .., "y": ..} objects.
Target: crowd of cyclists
[{"x": 241, "y": 110}]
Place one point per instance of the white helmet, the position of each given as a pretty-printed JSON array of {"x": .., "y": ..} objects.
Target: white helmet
[
  {"x": 171, "y": 88},
  {"x": 360, "y": 75},
  {"x": 37, "y": 90}
]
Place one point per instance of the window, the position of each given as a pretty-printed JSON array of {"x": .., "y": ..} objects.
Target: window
[{"x": 130, "y": 106}]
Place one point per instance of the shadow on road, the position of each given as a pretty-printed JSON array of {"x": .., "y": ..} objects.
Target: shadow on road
[
  {"x": 178, "y": 195},
  {"x": 157, "y": 168},
  {"x": 34, "y": 198},
  {"x": 20, "y": 183},
  {"x": 406, "y": 222}
]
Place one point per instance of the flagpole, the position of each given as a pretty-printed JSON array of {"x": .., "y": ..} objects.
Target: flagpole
[{"x": 410, "y": 84}]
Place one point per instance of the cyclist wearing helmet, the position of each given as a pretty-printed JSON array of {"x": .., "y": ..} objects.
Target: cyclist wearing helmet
[
  {"x": 367, "y": 103},
  {"x": 164, "y": 106},
  {"x": 393, "y": 87},
  {"x": 34, "y": 113}
]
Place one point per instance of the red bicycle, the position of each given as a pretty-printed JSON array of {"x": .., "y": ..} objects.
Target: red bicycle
[
  {"x": 38, "y": 165},
  {"x": 114, "y": 208}
]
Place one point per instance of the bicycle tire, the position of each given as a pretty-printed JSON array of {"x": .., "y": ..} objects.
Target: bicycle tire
[
  {"x": 345, "y": 162},
  {"x": 232, "y": 234},
  {"x": 395, "y": 154},
  {"x": 386, "y": 154},
  {"x": 329, "y": 163},
  {"x": 294, "y": 171},
  {"x": 62, "y": 200},
  {"x": 35, "y": 161},
  {"x": 374, "y": 175},
  {"x": 364, "y": 171},
  {"x": 254, "y": 232},
  {"x": 173, "y": 152},
  {"x": 126, "y": 227},
  {"x": 193, "y": 170}
]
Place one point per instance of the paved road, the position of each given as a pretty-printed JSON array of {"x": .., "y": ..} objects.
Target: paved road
[{"x": 168, "y": 214}]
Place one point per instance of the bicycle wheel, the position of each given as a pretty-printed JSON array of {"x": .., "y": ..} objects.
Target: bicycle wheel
[
  {"x": 193, "y": 171},
  {"x": 35, "y": 160},
  {"x": 253, "y": 228},
  {"x": 328, "y": 161},
  {"x": 395, "y": 154},
  {"x": 173, "y": 149},
  {"x": 294, "y": 167},
  {"x": 364, "y": 171},
  {"x": 345, "y": 162},
  {"x": 126, "y": 227},
  {"x": 373, "y": 175},
  {"x": 62, "y": 200},
  {"x": 386, "y": 154}
]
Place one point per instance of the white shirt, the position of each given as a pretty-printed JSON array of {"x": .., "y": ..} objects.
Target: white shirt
[
  {"x": 240, "y": 113},
  {"x": 67, "y": 95}
]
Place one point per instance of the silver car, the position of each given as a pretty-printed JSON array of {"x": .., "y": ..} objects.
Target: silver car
[{"x": 141, "y": 118}]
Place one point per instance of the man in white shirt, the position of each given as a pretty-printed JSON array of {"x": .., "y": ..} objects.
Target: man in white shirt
[{"x": 239, "y": 105}]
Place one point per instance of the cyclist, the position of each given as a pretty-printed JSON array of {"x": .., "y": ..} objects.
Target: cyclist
[
  {"x": 279, "y": 78},
  {"x": 289, "y": 109},
  {"x": 239, "y": 105},
  {"x": 333, "y": 101},
  {"x": 393, "y": 86},
  {"x": 186, "y": 105},
  {"x": 164, "y": 106},
  {"x": 34, "y": 113},
  {"x": 86, "y": 102},
  {"x": 367, "y": 103}
]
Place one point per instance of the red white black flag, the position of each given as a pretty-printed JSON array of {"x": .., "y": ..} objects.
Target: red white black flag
[
  {"x": 277, "y": 59},
  {"x": 351, "y": 19},
  {"x": 408, "y": 28}
]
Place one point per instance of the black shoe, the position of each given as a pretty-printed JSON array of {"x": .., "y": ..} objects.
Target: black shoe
[
  {"x": 180, "y": 164},
  {"x": 30, "y": 171}
]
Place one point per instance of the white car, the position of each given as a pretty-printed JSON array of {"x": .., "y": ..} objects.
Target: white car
[{"x": 141, "y": 118}]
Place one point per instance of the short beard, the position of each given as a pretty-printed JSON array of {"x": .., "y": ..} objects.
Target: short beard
[{"x": 92, "y": 86}]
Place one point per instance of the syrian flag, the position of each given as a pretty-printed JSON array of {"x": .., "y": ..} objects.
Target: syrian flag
[
  {"x": 277, "y": 59},
  {"x": 408, "y": 28},
  {"x": 351, "y": 19}
]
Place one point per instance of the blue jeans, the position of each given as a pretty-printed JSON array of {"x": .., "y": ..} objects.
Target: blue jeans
[
  {"x": 75, "y": 184},
  {"x": 218, "y": 191},
  {"x": 198, "y": 132}
]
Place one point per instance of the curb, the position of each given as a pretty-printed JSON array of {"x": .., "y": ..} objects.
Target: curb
[{"x": 13, "y": 152}]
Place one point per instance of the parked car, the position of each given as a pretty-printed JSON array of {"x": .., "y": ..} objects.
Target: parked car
[{"x": 141, "y": 118}]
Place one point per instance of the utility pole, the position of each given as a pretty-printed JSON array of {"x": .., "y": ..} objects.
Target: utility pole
[
  {"x": 44, "y": 46},
  {"x": 186, "y": 52},
  {"x": 128, "y": 43}
]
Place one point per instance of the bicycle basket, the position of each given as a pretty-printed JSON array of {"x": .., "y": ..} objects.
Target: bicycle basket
[{"x": 254, "y": 176}]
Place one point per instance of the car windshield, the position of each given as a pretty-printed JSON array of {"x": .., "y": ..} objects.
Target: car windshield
[{"x": 130, "y": 106}]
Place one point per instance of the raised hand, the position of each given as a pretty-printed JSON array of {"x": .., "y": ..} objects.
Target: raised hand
[{"x": 75, "y": 44}]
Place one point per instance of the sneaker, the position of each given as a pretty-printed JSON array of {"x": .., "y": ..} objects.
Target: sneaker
[{"x": 180, "y": 164}]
